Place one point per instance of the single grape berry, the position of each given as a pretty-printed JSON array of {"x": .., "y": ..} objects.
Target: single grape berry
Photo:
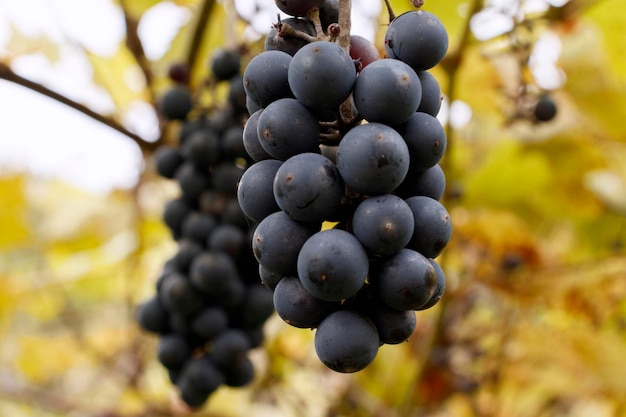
[
  {"x": 321, "y": 75},
  {"x": 332, "y": 265},
  {"x": 275, "y": 40},
  {"x": 265, "y": 77},
  {"x": 363, "y": 50},
  {"x": 373, "y": 159},
  {"x": 387, "y": 91},
  {"x": 346, "y": 341},
  {"x": 175, "y": 103},
  {"x": 545, "y": 109},
  {"x": 308, "y": 187},
  {"x": 225, "y": 64},
  {"x": 418, "y": 38}
]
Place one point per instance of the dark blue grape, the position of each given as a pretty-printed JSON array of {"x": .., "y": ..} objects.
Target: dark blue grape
[
  {"x": 387, "y": 91},
  {"x": 265, "y": 77},
  {"x": 199, "y": 378},
  {"x": 426, "y": 140},
  {"x": 231, "y": 145},
  {"x": 174, "y": 215},
  {"x": 433, "y": 227},
  {"x": 237, "y": 97},
  {"x": 431, "y": 94},
  {"x": 191, "y": 181},
  {"x": 213, "y": 272},
  {"x": 277, "y": 240},
  {"x": 225, "y": 64},
  {"x": 225, "y": 177},
  {"x": 251, "y": 141},
  {"x": 332, "y": 265},
  {"x": 321, "y": 75},
  {"x": 227, "y": 238},
  {"x": 418, "y": 38},
  {"x": 393, "y": 326},
  {"x": 404, "y": 281},
  {"x": 173, "y": 350},
  {"x": 197, "y": 226},
  {"x": 430, "y": 182},
  {"x": 256, "y": 306},
  {"x": 383, "y": 224},
  {"x": 152, "y": 316},
  {"x": 308, "y": 187},
  {"x": 346, "y": 341},
  {"x": 297, "y": 307},
  {"x": 268, "y": 278},
  {"x": 439, "y": 289},
  {"x": 178, "y": 295},
  {"x": 298, "y": 7},
  {"x": 372, "y": 159},
  {"x": 228, "y": 346},
  {"x": 209, "y": 322},
  {"x": 175, "y": 103},
  {"x": 187, "y": 250},
  {"x": 545, "y": 109},
  {"x": 167, "y": 160},
  {"x": 239, "y": 373},
  {"x": 202, "y": 148},
  {"x": 289, "y": 44},
  {"x": 286, "y": 128},
  {"x": 255, "y": 192}
]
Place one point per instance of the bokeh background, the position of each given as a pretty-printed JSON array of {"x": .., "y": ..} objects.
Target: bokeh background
[{"x": 533, "y": 321}]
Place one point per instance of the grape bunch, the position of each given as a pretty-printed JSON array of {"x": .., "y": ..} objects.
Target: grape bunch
[
  {"x": 209, "y": 306},
  {"x": 346, "y": 182}
]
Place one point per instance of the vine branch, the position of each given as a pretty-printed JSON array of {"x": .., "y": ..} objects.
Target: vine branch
[
  {"x": 198, "y": 33},
  {"x": 6, "y": 73}
]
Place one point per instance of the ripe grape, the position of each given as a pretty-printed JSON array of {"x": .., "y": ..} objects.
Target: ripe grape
[
  {"x": 383, "y": 224},
  {"x": 321, "y": 75},
  {"x": 277, "y": 241},
  {"x": 289, "y": 44},
  {"x": 225, "y": 64},
  {"x": 175, "y": 103},
  {"x": 430, "y": 182},
  {"x": 173, "y": 350},
  {"x": 426, "y": 140},
  {"x": 418, "y": 38},
  {"x": 251, "y": 141},
  {"x": 332, "y": 265},
  {"x": 346, "y": 341},
  {"x": 440, "y": 287},
  {"x": 265, "y": 77},
  {"x": 431, "y": 94},
  {"x": 297, "y": 307},
  {"x": 373, "y": 159},
  {"x": 308, "y": 187},
  {"x": 255, "y": 191},
  {"x": 404, "y": 281},
  {"x": 286, "y": 128},
  {"x": 545, "y": 109},
  {"x": 168, "y": 159},
  {"x": 433, "y": 227},
  {"x": 387, "y": 91}
]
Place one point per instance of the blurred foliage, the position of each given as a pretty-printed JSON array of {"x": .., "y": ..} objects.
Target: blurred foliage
[{"x": 533, "y": 322}]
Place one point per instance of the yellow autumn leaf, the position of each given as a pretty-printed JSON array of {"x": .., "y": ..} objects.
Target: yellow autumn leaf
[{"x": 14, "y": 223}]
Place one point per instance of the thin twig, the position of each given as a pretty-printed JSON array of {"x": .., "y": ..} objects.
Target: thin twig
[
  {"x": 135, "y": 46},
  {"x": 7, "y": 74},
  {"x": 198, "y": 33},
  {"x": 392, "y": 15}
]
